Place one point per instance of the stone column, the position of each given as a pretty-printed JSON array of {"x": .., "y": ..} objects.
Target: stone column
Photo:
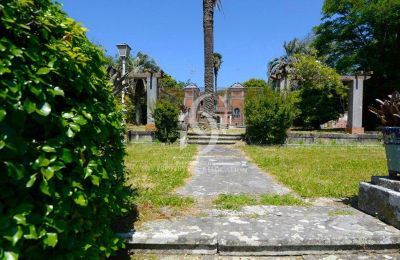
[
  {"x": 151, "y": 98},
  {"x": 354, "y": 123}
]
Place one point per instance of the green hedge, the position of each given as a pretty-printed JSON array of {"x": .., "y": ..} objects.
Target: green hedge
[
  {"x": 166, "y": 121},
  {"x": 61, "y": 148},
  {"x": 268, "y": 116}
]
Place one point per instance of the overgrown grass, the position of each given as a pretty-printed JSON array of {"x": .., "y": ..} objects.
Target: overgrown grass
[
  {"x": 321, "y": 171},
  {"x": 282, "y": 200},
  {"x": 156, "y": 170},
  {"x": 236, "y": 202}
]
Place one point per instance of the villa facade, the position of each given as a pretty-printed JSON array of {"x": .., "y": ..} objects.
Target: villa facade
[{"x": 229, "y": 106}]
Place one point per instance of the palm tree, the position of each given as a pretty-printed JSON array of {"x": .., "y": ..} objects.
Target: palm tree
[
  {"x": 208, "y": 27},
  {"x": 280, "y": 68},
  {"x": 217, "y": 58}
]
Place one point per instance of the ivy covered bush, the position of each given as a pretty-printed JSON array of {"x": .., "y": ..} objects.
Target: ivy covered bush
[
  {"x": 322, "y": 95},
  {"x": 268, "y": 116},
  {"x": 166, "y": 120},
  {"x": 61, "y": 140}
]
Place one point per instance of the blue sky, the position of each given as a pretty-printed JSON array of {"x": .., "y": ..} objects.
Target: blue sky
[{"x": 248, "y": 33}]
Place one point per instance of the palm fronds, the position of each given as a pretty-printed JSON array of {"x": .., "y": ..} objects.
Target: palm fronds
[{"x": 389, "y": 110}]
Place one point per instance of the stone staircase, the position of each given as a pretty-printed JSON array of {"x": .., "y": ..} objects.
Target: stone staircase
[{"x": 218, "y": 139}]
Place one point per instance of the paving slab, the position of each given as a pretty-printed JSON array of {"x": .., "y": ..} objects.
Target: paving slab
[
  {"x": 269, "y": 230},
  {"x": 224, "y": 170}
]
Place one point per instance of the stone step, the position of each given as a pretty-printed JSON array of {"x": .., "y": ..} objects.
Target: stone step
[
  {"x": 206, "y": 142},
  {"x": 207, "y": 137},
  {"x": 268, "y": 231}
]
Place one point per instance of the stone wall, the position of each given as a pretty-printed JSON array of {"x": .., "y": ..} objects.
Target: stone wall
[{"x": 333, "y": 138}]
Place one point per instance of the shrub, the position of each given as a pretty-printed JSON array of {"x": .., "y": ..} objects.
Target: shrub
[
  {"x": 268, "y": 116},
  {"x": 322, "y": 96},
  {"x": 255, "y": 83},
  {"x": 166, "y": 120},
  {"x": 61, "y": 148}
]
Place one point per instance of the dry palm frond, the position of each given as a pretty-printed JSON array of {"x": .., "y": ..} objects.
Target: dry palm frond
[{"x": 389, "y": 110}]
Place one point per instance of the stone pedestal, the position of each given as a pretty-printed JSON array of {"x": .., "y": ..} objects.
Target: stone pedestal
[{"x": 381, "y": 198}]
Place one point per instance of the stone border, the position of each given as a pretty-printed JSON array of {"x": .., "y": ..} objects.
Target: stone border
[{"x": 334, "y": 138}]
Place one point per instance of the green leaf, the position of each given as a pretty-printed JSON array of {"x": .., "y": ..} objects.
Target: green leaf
[
  {"x": 14, "y": 235},
  {"x": 49, "y": 209},
  {"x": 29, "y": 106},
  {"x": 32, "y": 233},
  {"x": 79, "y": 120},
  {"x": 48, "y": 149},
  {"x": 88, "y": 171},
  {"x": 95, "y": 180},
  {"x": 31, "y": 181},
  {"x": 80, "y": 199},
  {"x": 15, "y": 170},
  {"x": 44, "y": 110},
  {"x": 67, "y": 155},
  {"x": 20, "y": 219},
  {"x": 87, "y": 115},
  {"x": 3, "y": 114},
  {"x": 42, "y": 161},
  {"x": 8, "y": 255},
  {"x": 51, "y": 239},
  {"x": 70, "y": 133},
  {"x": 75, "y": 127},
  {"x": 48, "y": 172},
  {"x": 43, "y": 71},
  {"x": 44, "y": 188},
  {"x": 57, "y": 91},
  {"x": 67, "y": 115}
]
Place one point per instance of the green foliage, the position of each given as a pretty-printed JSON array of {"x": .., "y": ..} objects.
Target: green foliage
[
  {"x": 359, "y": 35},
  {"x": 322, "y": 96},
  {"x": 237, "y": 201},
  {"x": 234, "y": 202},
  {"x": 281, "y": 200},
  {"x": 166, "y": 120},
  {"x": 255, "y": 83},
  {"x": 167, "y": 81},
  {"x": 268, "y": 116},
  {"x": 61, "y": 148}
]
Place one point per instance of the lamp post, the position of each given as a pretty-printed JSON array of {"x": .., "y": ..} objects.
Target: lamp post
[{"x": 123, "y": 52}]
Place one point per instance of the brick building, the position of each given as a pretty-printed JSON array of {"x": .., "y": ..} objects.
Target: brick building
[{"x": 229, "y": 106}]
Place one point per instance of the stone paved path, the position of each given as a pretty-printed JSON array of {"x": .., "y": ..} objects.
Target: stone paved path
[
  {"x": 258, "y": 230},
  {"x": 225, "y": 170}
]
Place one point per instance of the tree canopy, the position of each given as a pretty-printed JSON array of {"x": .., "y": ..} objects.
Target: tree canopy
[
  {"x": 255, "y": 83},
  {"x": 363, "y": 35}
]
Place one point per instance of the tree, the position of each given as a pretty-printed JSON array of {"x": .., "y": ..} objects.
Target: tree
[
  {"x": 361, "y": 35},
  {"x": 217, "y": 66},
  {"x": 279, "y": 68},
  {"x": 166, "y": 121},
  {"x": 268, "y": 115},
  {"x": 208, "y": 27},
  {"x": 321, "y": 94},
  {"x": 61, "y": 139},
  {"x": 256, "y": 83}
]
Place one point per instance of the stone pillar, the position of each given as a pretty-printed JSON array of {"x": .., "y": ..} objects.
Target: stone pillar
[
  {"x": 152, "y": 88},
  {"x": 354, "y": 123}
]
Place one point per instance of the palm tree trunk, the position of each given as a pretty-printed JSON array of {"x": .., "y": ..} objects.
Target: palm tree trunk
[
  {"x": 208, "y": 26},
  {"x": 216, "y": 82}
]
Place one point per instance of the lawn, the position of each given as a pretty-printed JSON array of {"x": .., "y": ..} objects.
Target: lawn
[
  {"x": 320, "y": 171},
  {"x": 156, "y": 170},
  {"x": 237, "y": 201}
]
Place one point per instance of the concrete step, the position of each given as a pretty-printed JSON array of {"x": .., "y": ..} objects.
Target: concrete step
[
  {"x": 207, "y": 137},
  {"x": 268, "y": 231},
  {"x": 206, "y": 142}
]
